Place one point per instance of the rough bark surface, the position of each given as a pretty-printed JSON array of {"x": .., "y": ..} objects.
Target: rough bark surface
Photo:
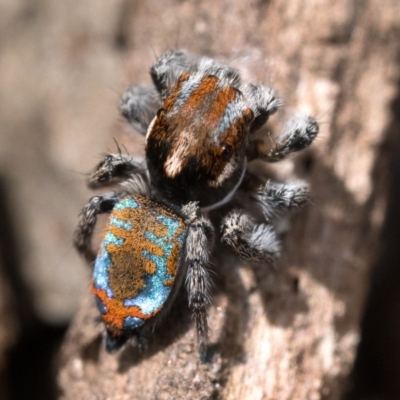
[{"x": 289, "y": 334}]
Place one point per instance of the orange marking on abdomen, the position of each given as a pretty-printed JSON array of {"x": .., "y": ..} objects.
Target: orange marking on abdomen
[{"x": 117, "y": 312}]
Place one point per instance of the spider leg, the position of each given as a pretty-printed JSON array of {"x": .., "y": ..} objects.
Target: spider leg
[
  {"x": 139, "y": 105},
  {"x": 250, "y": 241},
  {"x": 273, "y": 197},
  {"x": 115, "y": 168},
  {"x": 264, "y": 101},
  {"x": 198, "y": 246},
  {"x": 169, "y": 67},
  {"x": 297, "y": 134},
  {"x": 87, "y": 221},
  {"x": 172, "y": 64}
]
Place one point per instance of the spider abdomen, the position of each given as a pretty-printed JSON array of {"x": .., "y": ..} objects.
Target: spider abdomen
[{"x": 136, "y": 268}]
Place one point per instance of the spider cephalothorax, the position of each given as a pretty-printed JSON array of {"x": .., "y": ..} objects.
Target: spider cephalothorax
[
  {"x": 201, "y": 131},
  {"x": 200, "y": 119}
]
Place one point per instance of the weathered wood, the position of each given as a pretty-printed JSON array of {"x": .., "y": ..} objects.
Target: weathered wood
[{"x": 289, "y": 334}]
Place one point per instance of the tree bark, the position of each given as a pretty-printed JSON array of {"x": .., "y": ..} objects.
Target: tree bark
[{"x": 290, "y": 333}]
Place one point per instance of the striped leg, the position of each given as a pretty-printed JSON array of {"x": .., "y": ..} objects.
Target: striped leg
[
  {"x": 87, "y": 221},
  {"x": 251, "y": 242},
  {"x": 297, "y": 134},
  {"x": 198, "y": 247}
]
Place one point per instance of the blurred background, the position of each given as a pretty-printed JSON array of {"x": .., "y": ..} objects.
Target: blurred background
[{"x": 63, "y": 67}]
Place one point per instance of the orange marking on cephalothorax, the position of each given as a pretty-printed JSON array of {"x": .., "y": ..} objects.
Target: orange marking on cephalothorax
[
  {"x": 171, "y": 99},
  {"x": 217, "y": 108},
  {"x": 248, "y": 115},
  {"x": 235, "y": 134},
  {"x": 196, "y": 99}
]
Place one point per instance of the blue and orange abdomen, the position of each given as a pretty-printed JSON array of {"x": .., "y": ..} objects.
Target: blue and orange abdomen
[{"x": 136, "y": 267}]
